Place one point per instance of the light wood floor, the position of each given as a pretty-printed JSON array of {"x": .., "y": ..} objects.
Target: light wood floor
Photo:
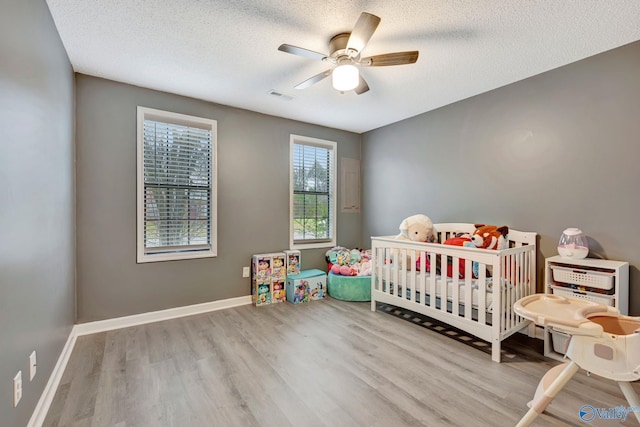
[{"x": 323, "y": 363}]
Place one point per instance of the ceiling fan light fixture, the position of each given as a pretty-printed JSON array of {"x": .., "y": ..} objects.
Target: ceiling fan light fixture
[
  {"x": 344, "y": 52},
  {"x": 345, "y": 77}
]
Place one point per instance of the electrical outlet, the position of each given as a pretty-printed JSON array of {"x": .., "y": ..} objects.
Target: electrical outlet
[
  {"x": 245, "y": 271},
  {"x": 32, "y": 365},
  {"x": 17, "y": 388}
]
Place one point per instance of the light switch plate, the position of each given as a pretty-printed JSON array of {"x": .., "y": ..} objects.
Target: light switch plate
[
  {"x": 32, "y": 365},
  {"x": 17, "y": 388}
]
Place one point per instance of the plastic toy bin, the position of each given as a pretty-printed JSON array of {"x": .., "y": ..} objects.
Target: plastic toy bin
[
  {"x": 593, "y": 279},
  {"x": 560, "y": 341},
  {"x": 349, "y": 288},
  {"x": 309, "y": 285}
]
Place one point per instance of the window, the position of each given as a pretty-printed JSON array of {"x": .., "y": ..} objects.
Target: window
[
  {"x": 313, "y": 183},
  {"x": 176, "y": 186}
]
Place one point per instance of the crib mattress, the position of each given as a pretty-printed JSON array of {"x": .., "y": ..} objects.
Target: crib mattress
[{"x": 451, "y": 283}]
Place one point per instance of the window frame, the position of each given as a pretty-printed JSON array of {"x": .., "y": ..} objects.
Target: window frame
[
  {"x": 180, "y": 119},
  {"x": 329, "y": 145}
]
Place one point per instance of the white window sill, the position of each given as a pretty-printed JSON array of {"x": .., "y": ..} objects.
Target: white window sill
[
  {"x": 301, "y": 246},
  {"x": 144, "y": 258}
]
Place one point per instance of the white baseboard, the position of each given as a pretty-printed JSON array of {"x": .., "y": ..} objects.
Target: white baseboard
[
  {"x": 42, "y": 407},
  {"x": 157, "y": 316},
  {"x": 40, "y": 412}
]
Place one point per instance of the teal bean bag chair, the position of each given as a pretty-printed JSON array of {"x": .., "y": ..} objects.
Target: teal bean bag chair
[{"x": 349, "y": 288}]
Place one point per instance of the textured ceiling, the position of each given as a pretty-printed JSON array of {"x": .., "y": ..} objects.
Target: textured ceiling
[{"x": 225, "y": 51}]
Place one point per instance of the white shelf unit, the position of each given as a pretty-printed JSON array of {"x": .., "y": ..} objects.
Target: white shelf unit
[{"x": 561, "y": 273}]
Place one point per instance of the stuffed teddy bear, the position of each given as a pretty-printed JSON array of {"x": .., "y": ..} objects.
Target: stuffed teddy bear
[
  {"x": 417, "y": 228},
  {"x": 490, "y": 236}
]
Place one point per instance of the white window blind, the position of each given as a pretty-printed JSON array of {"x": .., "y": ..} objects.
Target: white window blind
[
  {"x": 313, "y": 205},
  {"x": 177, "y": 193}
]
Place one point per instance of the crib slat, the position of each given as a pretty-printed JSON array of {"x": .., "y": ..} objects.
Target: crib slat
[
  {"x": 377, "y": 283},
  {"x": 503, "y": 288},
  {"x": 519, "y": 293},
  {"x": 412, "y": 272},
  {"x": 512, "y": 280},
  {"x": 482, "y": 295},
  {"x": 423, "y": 277},
  {"x": 404, "y": 276},
  {"x": 383, "y": 271},
  {"x": 387, "y": 273},
  {"x": 506, "y": 279},
  {"x": 526, "y": 278},
  {"x": 443, "y": 282},
  {"x": 382, "y": 260},
  {"x": 432, "y": 280},
  {"x": 396, "y": 266},
  {"x": 455, "y": 286},
  {"x": 518, "y": 278},
  {"x": 499, "y": 292},
  {"x": 396, "y": 272},
  {"x": 468, "y": 292}
]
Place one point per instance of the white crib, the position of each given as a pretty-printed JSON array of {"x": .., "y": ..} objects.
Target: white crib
[{"x": 472, "y": 303}]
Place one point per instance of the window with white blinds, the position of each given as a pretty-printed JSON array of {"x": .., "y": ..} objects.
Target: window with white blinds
[
  {"x": 176, "y": 186},
  {"x": 313, "y": 183}
]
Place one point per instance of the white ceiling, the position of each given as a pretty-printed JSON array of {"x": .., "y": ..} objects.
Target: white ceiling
[{"x": 225, "y": 51}]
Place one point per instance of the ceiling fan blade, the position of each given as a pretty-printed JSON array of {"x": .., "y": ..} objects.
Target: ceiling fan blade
[
  {"x": 301, "y": 52},
  {"x": 396, "y": 58},
  {"x": 362, "y": 32},
  {"x": 313, "y": 80},
  {"x": 362, "y": 87}
]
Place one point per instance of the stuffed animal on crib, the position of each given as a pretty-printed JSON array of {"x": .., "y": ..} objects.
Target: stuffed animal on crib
[
  {"x": 417, "y": 228},
  {"x": 490, "y": 237},
  {"x": 458, "y": 239}
]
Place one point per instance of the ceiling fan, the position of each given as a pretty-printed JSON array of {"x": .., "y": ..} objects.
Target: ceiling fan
[{"x": 345, "y": 52}]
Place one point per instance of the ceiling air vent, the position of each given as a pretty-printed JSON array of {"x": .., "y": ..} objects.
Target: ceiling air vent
[{"x": 280, "y": 95}]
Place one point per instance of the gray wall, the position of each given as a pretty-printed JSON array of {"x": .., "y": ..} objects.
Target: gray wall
[
  {"x": 253, "y": 201},
  {"x": 556, "y": 150},
  {"x": 36, "y": 201}
]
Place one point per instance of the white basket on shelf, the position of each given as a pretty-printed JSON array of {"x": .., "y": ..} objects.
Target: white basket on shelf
[
  {"x": 589, "y": 296},
  {"x": 592, "y": 279}
]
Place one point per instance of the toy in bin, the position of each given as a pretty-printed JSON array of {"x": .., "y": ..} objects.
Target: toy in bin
[
  {"x": 292, "y": 259},
  {"x": 278, "y": 269},
  {"x": 309, "y": 285},
  {"x": 268, "y": 278}
]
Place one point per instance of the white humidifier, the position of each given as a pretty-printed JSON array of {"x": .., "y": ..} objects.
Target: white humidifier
[{"x": 573, "y": 244}]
